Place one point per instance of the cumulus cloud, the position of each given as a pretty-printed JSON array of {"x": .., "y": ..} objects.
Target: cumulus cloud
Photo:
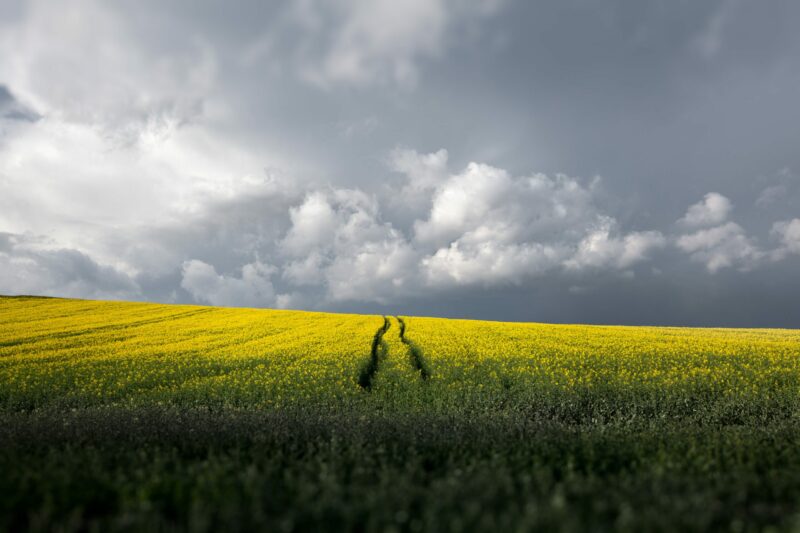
[
  {"x": 488, "y": 263},
  {"x": 376, "y": 270},
  {"x": 725, "y": 246},
  {"x": 602, "y": 248},
  {"x": 306, "y": 271},
  {"x": 788, "y": 233},
  {"x": 486, "y": 202},
  {"x": 337, "y": 240},
  {"x": 718, "y": 243},
  {"x": 711, "y": 211},
  {"x": 423, "y": 172},
  {"x": 313, "y": 225},
  {"x": 480, "y": 226},
  {"x": 488, "y": 227},
  {"x": 253, "y": 288}
]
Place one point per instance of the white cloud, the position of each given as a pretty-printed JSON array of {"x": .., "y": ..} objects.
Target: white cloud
[
  {"x": 313, "y": 226},
  {"x": 410, "y": 201},
  {"x": 337, "y": 240},
  {"x": 253, "y": 289},
  {"x": 424, "y": 172},
  {"x": 489, "y": 263},
  {"x": 487, "y": 227},
  {"x": 638, "y": 245},
  {"x": 306, "y": 271},
  {"x": 720, "y": 244},
  {"x": 65, "y": 180},
  {"x": 788, "y": 232},
  {"x": 124, "y": 144},
  {"x": 81, "y": 62},
  {"x": 711, "y": 211},
  {"x": 601, "y": 248},
  {"x": 725, "y": 246},
  {"x": 486, "y": 202},
  {"x": 375, "y": 270},
  {"x": 480, "y": 226}
]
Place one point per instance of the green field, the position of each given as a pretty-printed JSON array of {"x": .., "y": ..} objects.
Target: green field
[{"x": 130, "y": 416}]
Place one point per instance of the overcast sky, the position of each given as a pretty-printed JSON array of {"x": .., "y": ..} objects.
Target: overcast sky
[{"x": 568, "y": 161}]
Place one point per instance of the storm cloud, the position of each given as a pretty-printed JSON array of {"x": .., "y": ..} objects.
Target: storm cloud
[{"x": 627, "y": 162}]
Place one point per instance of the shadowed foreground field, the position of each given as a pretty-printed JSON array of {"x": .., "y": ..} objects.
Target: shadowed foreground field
[{"x": 131, "y": 416}]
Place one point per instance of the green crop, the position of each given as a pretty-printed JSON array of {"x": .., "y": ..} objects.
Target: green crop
[{"x": 131, "y": 416}]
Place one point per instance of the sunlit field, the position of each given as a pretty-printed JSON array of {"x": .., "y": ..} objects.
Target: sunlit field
[{"x": 118, "y": 415}]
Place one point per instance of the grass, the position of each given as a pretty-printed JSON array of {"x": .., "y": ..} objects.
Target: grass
[{"x": 128, "y": 416}]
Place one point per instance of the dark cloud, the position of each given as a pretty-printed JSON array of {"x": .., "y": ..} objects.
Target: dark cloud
[
  {"x": 11, "y": 109},
  {"x": 31, "y": 265},
  {"x": 622, "y": 161}
]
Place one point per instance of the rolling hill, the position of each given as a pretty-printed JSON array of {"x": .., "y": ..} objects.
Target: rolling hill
[{"x": 120, "y": 415}]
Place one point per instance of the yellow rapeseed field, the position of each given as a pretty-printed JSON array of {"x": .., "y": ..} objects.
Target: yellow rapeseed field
[
  {"x": 475, "y": 362},
  {"x": 55, "y": 351},
  {"x": 82, "y": 353}
]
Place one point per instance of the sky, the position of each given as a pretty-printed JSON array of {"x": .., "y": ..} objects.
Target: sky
[{"x": 618, "y": 162}]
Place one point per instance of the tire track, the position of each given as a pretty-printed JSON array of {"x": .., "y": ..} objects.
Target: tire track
[
  {"x": 415, "y": 352},
  {"x": 377, "y": 352}
]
